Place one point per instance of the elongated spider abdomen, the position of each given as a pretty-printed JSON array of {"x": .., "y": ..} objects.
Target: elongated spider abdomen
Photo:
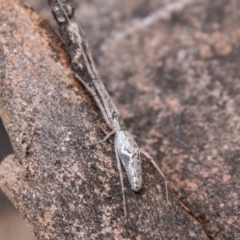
[{"x": 129, "y": 154}]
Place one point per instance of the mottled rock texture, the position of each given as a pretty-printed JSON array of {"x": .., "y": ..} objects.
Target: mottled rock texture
[{"x": 172, "y": 68}]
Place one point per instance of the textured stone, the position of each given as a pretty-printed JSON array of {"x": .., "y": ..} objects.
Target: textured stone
[{"x": 63, "y": 191}]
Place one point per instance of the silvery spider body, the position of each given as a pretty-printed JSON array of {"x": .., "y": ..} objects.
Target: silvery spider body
[{"x": 129, "y": 154}]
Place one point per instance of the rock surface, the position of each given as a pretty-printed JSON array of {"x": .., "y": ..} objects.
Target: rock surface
[
  {"x": 62, "y": 190},
  {"x": 172, "y": 68}
]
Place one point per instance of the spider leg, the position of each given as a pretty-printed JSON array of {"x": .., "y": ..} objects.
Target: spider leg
[
  {"x": 121, "y": 180},
  {"x": 97, "y": 100},
  {"x": 149, "y": 158},
  {"x": 101, "y": 141}
]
